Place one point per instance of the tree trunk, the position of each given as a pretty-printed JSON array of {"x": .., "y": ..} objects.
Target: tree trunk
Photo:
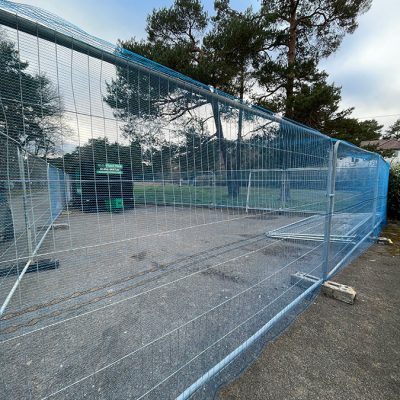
[
  {"x": 239, "y": 139},
  {"x": 232, "y": 175},
  {"x": 291, "y": 58},
  {"x": 222, "y": 147}
]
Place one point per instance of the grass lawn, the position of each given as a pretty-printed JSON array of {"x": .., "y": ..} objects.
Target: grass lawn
[{"x": 170, "y": 194}]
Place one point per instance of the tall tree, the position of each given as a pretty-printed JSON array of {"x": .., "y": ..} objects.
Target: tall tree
[
  {"x": 271, "y": 55},
  {"x": 177, "y": 37},
  {"x": 317, "y": 104},
  {"x": 353, "y": 130},
  {"x": 174, "y": 39},
  {"x": 304, "y": 32},
  {"x": 30, "y": 109},
  {"x": 393, "y": 132},
  {"x": 235, "y": 40}
]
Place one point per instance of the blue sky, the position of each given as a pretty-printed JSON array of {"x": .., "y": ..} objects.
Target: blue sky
[{"x": 367, "y": 64}]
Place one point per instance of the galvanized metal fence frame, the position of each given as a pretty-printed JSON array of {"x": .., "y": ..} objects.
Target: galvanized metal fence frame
[
  {"x": 58, "y": 198},
  {"x": 326, "y": 273},
  {"x": 33, "y": 22}
]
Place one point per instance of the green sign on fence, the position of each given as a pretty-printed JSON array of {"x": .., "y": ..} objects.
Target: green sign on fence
[{"x": 110, "y": 169}]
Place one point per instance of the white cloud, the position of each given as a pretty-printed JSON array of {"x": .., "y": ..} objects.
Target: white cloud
[{"x": 367, "y": 64}]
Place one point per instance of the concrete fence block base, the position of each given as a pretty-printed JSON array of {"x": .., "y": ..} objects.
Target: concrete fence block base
[
  {"x": 330, "y": 289},
  {"x": 340, "y": 292}
]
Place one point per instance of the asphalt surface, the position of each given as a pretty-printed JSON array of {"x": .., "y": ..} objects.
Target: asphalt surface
[
  {"x": 144, "y": 302},
  {"x": 335, "y": 350}
]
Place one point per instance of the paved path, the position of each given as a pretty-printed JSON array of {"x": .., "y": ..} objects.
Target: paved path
[{"x": 334, "y": 350}]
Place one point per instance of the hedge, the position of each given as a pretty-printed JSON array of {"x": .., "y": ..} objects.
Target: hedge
[{"x": 393, "y": 207}]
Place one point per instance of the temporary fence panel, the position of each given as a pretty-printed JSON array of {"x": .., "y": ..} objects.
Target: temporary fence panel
[
  {"x": 356, "y": 213},
  {"x": 32, "y": 197},
  {"x": 14, "y": 232},
  {"x": 171, "y": 228},
  {"x": 292, "y": 189}
]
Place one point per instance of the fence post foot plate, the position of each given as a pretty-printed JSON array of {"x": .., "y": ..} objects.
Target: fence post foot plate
[{"x": 61, "y": 226}]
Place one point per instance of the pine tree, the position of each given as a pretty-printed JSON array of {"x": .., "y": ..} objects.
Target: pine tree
[
  {"x": 31, "y": 110},
  {"x": 393, "y": 132},
  {"x": 303, "y": 32}
]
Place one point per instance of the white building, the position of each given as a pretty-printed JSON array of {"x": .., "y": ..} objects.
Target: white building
[{"x": 392, "y": 145}]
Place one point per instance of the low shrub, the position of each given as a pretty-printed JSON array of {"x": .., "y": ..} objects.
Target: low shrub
[{"x": 393, "y": 207}]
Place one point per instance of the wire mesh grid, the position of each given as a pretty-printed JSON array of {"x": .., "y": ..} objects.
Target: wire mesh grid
[{"x": 152, "y": 228}]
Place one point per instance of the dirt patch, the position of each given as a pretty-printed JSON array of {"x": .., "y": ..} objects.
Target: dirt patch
[
  {"x": 222, "y": 275},
  {"x": 392, "y": 231},
  {"x": 139, "y": 256}
]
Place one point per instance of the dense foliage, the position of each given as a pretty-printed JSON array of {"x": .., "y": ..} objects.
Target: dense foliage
[
  {"x": 36, "y": 125},
  {"x": 269, "y": 55},
  {"x": 393, "y": 132},
  {"x": 393, "y": 209}
]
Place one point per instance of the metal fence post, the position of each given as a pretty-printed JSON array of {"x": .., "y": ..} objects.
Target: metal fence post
[
  {"x": 214, "y": 183},
  {"x": 49, "y": 193},
  {"x": 283, "y": 188},
  {"x": 28, "y": 228},
  {"x": 330, "y": 207},
  {"x": 248, "y": 193}
]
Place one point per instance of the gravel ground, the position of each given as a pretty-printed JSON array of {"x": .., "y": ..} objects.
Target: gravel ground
[
  {"x": 145, "y": 301},
  {"x": 334, "y": 350}
]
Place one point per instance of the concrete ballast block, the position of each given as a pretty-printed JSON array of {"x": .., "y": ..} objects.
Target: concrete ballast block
[
  {"x": 339, "y": 292},
  {"x": 331, "y": 289},
  {"x": 384, "y": 240}
]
